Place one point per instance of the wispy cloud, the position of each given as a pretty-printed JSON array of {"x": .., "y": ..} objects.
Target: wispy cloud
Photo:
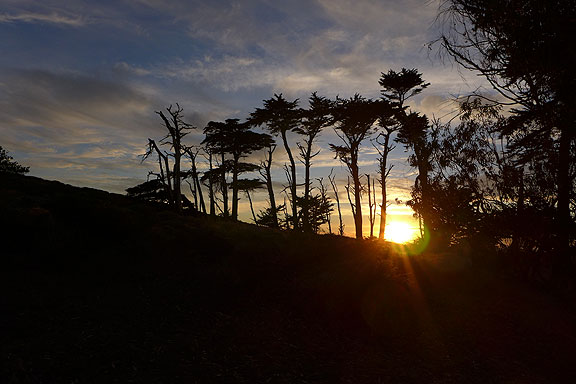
[{"x": 51, "y": 18}]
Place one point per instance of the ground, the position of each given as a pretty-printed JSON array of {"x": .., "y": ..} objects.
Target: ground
[{"x": 97, "y": 288}]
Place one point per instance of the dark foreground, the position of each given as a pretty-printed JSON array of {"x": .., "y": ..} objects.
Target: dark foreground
[{"x": 98, "y": 289}]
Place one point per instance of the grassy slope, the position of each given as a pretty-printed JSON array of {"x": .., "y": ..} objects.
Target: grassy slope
[{"x": 97, "y": 288}]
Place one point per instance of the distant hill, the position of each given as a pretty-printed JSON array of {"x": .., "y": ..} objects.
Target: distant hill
[{"x": 98, "y": 288}]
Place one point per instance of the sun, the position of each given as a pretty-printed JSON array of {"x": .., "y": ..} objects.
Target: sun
[{"x": 400, "y": 232}]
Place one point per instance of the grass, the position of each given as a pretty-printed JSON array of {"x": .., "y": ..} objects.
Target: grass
[{"x": 96, "y": 288}]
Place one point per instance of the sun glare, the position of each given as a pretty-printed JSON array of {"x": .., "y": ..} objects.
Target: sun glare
[{"x": 400, "y": 232}]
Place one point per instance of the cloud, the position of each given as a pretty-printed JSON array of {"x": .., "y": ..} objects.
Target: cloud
[{"x": 52, "y": 18}]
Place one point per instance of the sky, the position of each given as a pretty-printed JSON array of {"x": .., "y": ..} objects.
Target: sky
[{"x": 80, "y": 80}]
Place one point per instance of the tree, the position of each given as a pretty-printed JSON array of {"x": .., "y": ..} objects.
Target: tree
[
  {"x": 154, "y": 191},
  {"x": 151, "y": 190},
  {"x": 524, "y": 49},
  {"x": 281, "y": 116},
  {"x": 397, "y": 87},
  {"x": 195, "y": 187},
  {"x": 9, "y": 165},
  {"x": 247, "y": 186},
  {"x": 332, "y": 179},
  {"x": 171, "y": 175},
  {"x": 354, "y": 120},
  {"x": 315, "y": 119},
  {"x": 266, "y": 173},
  {"x": 414, "y": 135},
  {"x": 216, "y": 144},
  {"x": 238, "y": 141},
  {"x": 388, "y": 125}
]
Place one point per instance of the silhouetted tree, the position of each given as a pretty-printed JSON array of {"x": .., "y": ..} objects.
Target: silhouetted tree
[
  {"x": 266, "y": 173},
  {"x": 371, "y": 204},
  {"x": 319, "y": 211},
  {"x": 281, "y": 116},
  {"x": 193, "y": 173},
  {"x": 325, "y": 200},
  {"x": 9, "y": 165},
  {"x": 265, "y": 217},
  {"x": 354, "y": 120},
  {"x": 332, "y": 179},
  {"x": 414, "y": 135},
  {"x": 525, "y": 51},
  {"x": 209, "y": 183},
  {"x": 247, "y": 186},
  {"x": 151, "y": 190},
  {"x": 171, "y": 175},
  {"x": 388, "y": 126},
  {"x": 315, "y": 119},
  {"x": 237, "y": 140},
  {"x": 397, "y": 87}
]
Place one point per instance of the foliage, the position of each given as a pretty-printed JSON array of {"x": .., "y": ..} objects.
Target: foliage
[
  {"x": 281, "y": 116},
  {"x": 9, "y": 165},
  {"x": 266, "y": 218},
  {"x": 151, "y": 190}
]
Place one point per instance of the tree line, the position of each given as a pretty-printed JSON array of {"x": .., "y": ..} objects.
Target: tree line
[
  {"x": 307, "y": 206},
  {"x": 499, "y": 176}
]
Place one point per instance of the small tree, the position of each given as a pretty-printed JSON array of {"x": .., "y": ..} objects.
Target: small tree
[{"x": 9, "y": 165}]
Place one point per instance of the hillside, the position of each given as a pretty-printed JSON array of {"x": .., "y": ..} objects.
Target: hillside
[{"x": 96, "y": 288}]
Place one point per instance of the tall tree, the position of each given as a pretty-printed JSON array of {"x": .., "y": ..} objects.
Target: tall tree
[
  {"x": 414, "y": 135},
  {"x": 354, "y": 120},
  {"x": 524, "y": 49},
  {"x": 281, "y": 116},
  {"x": 397, "y": 88},
  {"x": 315, "y": 119},
  {"x": 388, "y": 126}
]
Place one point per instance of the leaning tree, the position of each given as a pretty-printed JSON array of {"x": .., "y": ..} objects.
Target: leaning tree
[{"x": 281, "y": 116}]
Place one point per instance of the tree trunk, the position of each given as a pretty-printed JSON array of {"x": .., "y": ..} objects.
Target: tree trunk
[
  {"x": 335, "y": 189},
  {"x": 306, "y": 207},
  {"x": 270, "y": 187},
  {"x": 224, "y": 187},
  {"x": 293, "y": 183},
  {"x": 176, "y": 177},
  {"x": 211, "y": 188},
  {"x": 371, "y": 217},
  {"x": 383, "y": 175},
  {"x": 251, "y": 206},
  {"x": 423, "y": 178},
  {"x": 357, "y": 191},
  {"x": 235, "y": 188}
]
